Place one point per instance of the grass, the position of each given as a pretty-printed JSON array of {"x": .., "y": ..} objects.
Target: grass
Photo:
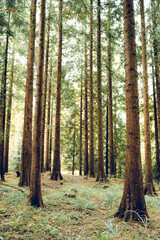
[{"x": 88, "y": 215}]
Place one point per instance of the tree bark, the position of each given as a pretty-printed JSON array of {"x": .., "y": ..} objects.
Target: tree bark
[
  {"x": 156, "y": 53},
  {"x": 50, "y": 137},
  {"x": 107, "y": 138},
  {"x": 47, "y": 162},
  {"x": 74, "y": 140},
  {"x": 26, "y": 155},
  {"x": 149, "y": 187},
  {"x": 80, "y": 135},
  {"x": 3, "y": 103},
  {"x": 8, "y": 119},
  {"x": 35, "y": 182},
  {"x": 110, "y": 111},
  {"x": 156, "y": 127},
  {"x": 44, "y": 93},
  {"x": 86, "y": 117},
  {"x": 91, "y": 135},
  {"x": 100, "y": 171},
  {"x": 133, "y": 206},
  {"x": 56, "y": 173}
]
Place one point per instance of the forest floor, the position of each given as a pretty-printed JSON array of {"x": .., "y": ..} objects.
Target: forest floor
[{"x": 75, "y": 208}]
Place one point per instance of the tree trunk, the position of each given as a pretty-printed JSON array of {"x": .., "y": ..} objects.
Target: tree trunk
[
  {"x": 91, "y": 135},
  {"x": 47, "y": 162},
  {"x": 44, "y": 91},
  {"x": 35, "y": 182},
  {"x": 74, "y": 140},
  {"x": 110, "y": 111},
  {"x": 157, "y": 74},
  {"x": 50, "y": 137},
  {"x": 133, "y": 206},
  {"x": 149, "y": 187},
  {"x": 3, "y": 103},
  {"x": 26, "y": 155},
  {"x": 115, "y": 136},
  {"x": 107, "y": 139},
  {"x": 100, "y": 172},
  {"x": 80, "y": 136},
  {"x": 8, "y": 120},
  {"x": 86, "y": 117},
  {"x": 56, "y": 173},
  {"x": 156, "y": 128}
]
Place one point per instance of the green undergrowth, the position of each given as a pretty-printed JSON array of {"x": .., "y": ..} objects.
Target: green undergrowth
[{"x": 72, "y": 211}]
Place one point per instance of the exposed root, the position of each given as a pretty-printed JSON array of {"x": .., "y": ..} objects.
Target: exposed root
[{"x": 131, "y": 215}]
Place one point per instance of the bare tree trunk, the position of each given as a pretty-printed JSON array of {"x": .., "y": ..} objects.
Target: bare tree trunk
[
  {"x": 35, "y": 182},
  {"x": 56, "y": 173},
  {"x": 110, "y": 111},
  {"x": 86, "y": 117},
  {"x": 44, "y": 93},
  {"x": 80, "y": 136},
  {"x": 156, "y": 53},
  {"x": 8, "y": 120},
  {"x": 156, "y": 128},
  {"x": 100, "y": 172},
  {"x": 107, "y": 139},
  {"x": 149, "y": 187},
  {"x": 91, "y": 135},
  {"x": 3, "y": 103},
  {"x": 50, "y": 137},
  {"x": 74, "y": 140},
  {"x": 47, "y": 162},
  {"x": 133, "y": 206},
  {"x": 26, "y": 155}
]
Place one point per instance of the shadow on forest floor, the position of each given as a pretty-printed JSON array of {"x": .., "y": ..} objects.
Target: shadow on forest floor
[{"x": 75, "y": 208}]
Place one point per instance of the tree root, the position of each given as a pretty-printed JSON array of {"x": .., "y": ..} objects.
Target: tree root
[{"x": 131, "y": 215}]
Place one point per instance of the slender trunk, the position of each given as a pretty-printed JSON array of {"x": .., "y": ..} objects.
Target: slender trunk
[
  {"x": 156, "y": 128},
  {"x": 107, "y": 139},
  {"x": 50, "y": 137},
  {"x": 44, "y": 93},
  {"x": 133, "y": 206},
  {"x": 157, "y": 73},
  {"x": 110, "y": 111},
  {"x": 74, "y": 140},
  {"x": 100, "y": 172},
  {"x": 86, "y": 117},
  {"x": 35, "y": 181},
  {"x": 47, "y": 163},
  {"x": 56, "y": 173},
  {"x": 26, "y": 155},
  {"x": 91, "y": 135},
  {"x": 149, "y": 187},
  {"x": 80, "y": 136},
  {"x": 3, "y": 104},
  {"x": 115, "y": 136},
  {"x": 8, "y": 120}
]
